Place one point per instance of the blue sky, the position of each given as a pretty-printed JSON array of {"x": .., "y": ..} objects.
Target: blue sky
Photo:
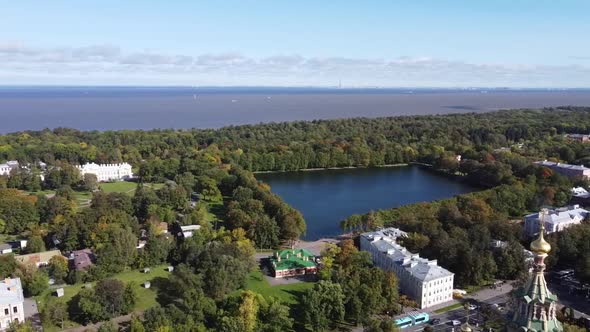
[{"x": 518, "y": 43}]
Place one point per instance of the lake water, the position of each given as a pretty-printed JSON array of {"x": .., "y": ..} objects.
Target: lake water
[
  {"x": 329, "y": 196},
  {"x": 113, "y": 108}
]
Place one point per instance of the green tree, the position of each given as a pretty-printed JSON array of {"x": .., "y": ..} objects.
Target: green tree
[
  {"x": 208, "y": 189},
  {"x": 274, "y": 316},
  {"x": 118, "y": 251},
  {"x": 34, "y": 280},
  {"x": 90, "y": 182},
  {"x": 323, "y": 305},
  {"x": 7, "y": 265},
  {"x": 56, "y": 312},
  {"x": 17, "y": 211},
  {"x": 58, "y": 268},
  {"x": 248, "y": 312},
  {"x": 511, "y": 261},
  {"x": 136, "y": 325}
]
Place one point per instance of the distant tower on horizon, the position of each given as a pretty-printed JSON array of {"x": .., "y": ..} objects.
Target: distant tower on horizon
[
  {"x": 535, "y": 306},
  {"x": 339, "y": 84}
]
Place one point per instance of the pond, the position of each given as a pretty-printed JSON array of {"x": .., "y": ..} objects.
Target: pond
[{"x": 328, "y": 196}]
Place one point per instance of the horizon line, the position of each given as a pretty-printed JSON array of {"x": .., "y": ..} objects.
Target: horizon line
[{"x": 334, "y": 87}]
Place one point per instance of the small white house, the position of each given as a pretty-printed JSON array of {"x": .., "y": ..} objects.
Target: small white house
[
  {"x": 59, "y": 292},
  {"x": 188, "y": 231},
  {"x": 5, "y": 248}
]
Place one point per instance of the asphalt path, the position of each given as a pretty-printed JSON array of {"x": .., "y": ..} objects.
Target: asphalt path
[{"x": 461, "y": 315}]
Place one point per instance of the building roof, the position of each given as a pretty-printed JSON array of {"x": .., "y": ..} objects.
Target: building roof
[
  {"x": 190, "y": 228},
  {"x": 83, "y": 259},
  {"x": 38, "y": 257},
  {"x": 291, "y": 259},
  {"x": 389, "y": 232},
  {"x": 580, "y": 192},
  {"x": 561, "y": 215},
  {"x": 11, "y": 291},
  {"x": 426, "y": 270},
  {"x": 577, "y": 135},
  {"x": 552, "y": 164},
  {"x": 420, "y": 268}
]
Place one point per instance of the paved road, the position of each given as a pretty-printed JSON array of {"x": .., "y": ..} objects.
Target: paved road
[
  {"x": 488, "y": 296},
  {"x": 461, "y": 315},
  {"x": 32, "y": 313},
  {"x": 580, "y": 305}
]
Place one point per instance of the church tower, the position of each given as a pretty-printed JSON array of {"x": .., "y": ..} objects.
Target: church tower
[{"x": 536, "y": 306}]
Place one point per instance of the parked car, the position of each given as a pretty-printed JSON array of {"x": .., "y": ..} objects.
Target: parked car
[
  {"x": 455, "y": 322},
  {"x": 434, "y": 321}
]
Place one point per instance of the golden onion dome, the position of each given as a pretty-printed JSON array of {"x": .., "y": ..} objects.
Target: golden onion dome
[{"x": 540, "y": 246}]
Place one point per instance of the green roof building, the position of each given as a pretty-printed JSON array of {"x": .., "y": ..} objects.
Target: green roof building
[
  {"x": 292, "y": 262},
  {"x": 536, "y": 306}
]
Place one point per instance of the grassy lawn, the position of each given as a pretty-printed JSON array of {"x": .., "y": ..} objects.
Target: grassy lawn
[
  {"x": 126, "y": 187},
  {"x": 82, "y": 198},
  {"x": 42, "y": 192},
  {"x": 288, "y": 294},
  {"x": 118, "y": 187},
  {"x": 215, "y": 211},
  {"x": 154, "y": 186},
  {"x": 146, "y": 298},
  {"x": 448, "y": 308}
]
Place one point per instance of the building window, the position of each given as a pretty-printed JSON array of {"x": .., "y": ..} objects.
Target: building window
[
  {"x": 6, "y": 312},
  {"x": 14, "y": 310}
]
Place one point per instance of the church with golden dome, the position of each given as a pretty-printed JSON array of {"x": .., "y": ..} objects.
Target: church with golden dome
[{"x": 535, "y": 306}]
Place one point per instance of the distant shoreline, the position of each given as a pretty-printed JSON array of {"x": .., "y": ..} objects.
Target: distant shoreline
[{"x": 332, "y": 168}]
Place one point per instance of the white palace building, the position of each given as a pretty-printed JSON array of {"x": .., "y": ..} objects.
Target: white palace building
[
  {"x": 419, "y": 278},
  {"x": 107, "y": 172}
]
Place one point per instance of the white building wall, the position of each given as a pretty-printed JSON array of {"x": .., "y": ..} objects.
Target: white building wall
[
  {"x": 426, "y": 293},
  {"x": 11, "y": 303},
  {"x": 437, "y": 291},
  {"x": 12, "y": 312},
  {"x": 4, "y": 170}
]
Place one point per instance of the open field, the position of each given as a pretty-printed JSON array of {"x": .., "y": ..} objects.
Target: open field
[
  {"x": 146, "y": 298},
  {"x": 288, "y": 293},
  {"x": 126, "y": 187},
  {"x": 118, "y": 187}
]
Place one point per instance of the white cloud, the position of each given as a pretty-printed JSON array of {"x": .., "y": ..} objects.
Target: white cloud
[{"x": 64, "y": 64}]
